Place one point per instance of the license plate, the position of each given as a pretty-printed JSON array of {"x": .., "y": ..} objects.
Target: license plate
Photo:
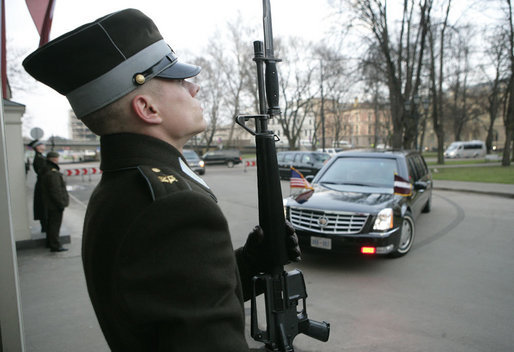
[{"x": 321, "y": 242}]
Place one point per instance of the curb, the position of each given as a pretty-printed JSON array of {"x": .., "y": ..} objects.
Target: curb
[{"x": 489, "y": 193}]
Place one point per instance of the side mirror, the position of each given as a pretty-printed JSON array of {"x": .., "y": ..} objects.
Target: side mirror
[
  {"x": 420, "y": 185},
  {"x": 309, "y": 178}
]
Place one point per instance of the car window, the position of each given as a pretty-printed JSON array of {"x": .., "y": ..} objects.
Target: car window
[
  {"x": 413, "y": 171},
  {"x": 280, "y": 157},
  {"x": 306, "y": 158},
  {"x": 289, "y": 157},
  {"x": 420, "y": 166},
  {"x": 322, "y": 157},
  {"x": 377, "y": 172}
]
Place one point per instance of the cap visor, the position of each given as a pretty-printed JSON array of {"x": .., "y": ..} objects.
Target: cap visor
[{"x": 179, "y": 71}]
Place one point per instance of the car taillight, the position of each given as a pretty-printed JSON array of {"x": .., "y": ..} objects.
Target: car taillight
[{"x": 368, "y": 250}]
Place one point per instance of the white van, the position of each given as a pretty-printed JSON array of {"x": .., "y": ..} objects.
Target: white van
[{"x": 471, "y": 149}]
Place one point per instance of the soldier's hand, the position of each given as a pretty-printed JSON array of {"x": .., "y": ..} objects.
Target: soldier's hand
[
  {"x": 293, "y": 248},
  {"x": 256, "y": 253}
]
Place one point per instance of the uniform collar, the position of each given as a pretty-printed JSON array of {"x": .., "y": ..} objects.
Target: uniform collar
[
  {"x": 126, "y": 150},
  {"x": 53, "y": 165}
]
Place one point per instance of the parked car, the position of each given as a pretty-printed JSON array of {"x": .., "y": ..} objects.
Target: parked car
[
  {"x": 308, "y": 163},
  {"x": 331, "y": 151},
  {"x": 194, "y": 161},
  {"x": 470, "y": 149},
  {"x": 358, "y": 206},
  {"x": 229, "y": 157}
]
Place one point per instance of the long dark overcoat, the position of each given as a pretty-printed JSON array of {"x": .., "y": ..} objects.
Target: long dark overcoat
[
  {"x": 158, "y": 258},
  {"x": 40, "y": 167}
]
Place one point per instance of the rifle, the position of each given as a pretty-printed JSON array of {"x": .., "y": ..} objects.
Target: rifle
[{"x": 283, "y": 291}]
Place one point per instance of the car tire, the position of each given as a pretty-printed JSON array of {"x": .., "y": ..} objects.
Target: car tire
[
  {"x": 428, "y": 205},
  {"x": 230, "y": 163},
  {"x": 407, "y": 235}
]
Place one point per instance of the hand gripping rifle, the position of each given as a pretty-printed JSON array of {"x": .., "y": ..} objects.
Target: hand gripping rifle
[{"x": 283, "y": 291}]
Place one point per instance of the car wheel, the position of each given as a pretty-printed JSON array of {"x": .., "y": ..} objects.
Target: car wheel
[
  {"x": 406, "y": 236},
  {"x": 428, "y": 206},
  {"x": 230, "y": 163}
]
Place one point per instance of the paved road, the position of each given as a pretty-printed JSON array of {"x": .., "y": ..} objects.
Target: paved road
[{"x": 453, "y": 292}]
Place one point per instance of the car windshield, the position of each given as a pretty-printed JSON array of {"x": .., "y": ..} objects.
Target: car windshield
[
  {"x": 375, "y": 172},
  {"x": 322, "y": 157},
  {"x": 452, "y": 147},
  {"x": 190, "y": 155}
]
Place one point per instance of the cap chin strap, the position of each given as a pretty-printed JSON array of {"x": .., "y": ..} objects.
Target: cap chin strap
[
  {"x": 166, "y": 62},
  {"x": 117, "y": 82}
]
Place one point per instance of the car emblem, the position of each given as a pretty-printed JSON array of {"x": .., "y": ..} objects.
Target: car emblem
[{"x": 323, "y": 221}]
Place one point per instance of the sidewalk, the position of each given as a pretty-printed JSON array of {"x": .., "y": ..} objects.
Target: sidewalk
[
  {"x": 57, "y": 313},
  {"x": 492, "y": 189}
]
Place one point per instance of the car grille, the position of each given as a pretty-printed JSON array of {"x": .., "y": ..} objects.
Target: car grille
[{"x": 328, "y": 222}]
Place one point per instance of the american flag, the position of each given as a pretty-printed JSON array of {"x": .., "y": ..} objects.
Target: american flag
[
  {"x": 298, "y": 181},
  {"x": 401, "y": 186}
]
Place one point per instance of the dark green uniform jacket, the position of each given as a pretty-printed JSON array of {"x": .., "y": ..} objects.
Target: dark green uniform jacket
[
  {"x": 55, "y": 194},
  {"x": 157, "y": 253}
]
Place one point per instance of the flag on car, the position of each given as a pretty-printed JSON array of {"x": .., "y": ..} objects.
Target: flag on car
[
  {"x": 298, "y": 181},
  {"x": 401, "y": 186}
]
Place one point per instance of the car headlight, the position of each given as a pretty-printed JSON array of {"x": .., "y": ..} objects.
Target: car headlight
[
  {"x": 201, "y": 163},
  {"x": 384, "y": 220}
]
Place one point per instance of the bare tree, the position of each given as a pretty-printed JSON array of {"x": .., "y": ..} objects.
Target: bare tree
[
  {"x": 336, "y": 80},
  {"x": 212, "y": 92},
  {"x": 401, "y": 58},
  {"x": 374, "y": 80},
  {"x": 436, "y": 69},
  {"x": 497, "y": 54},
  {"x": 508, "y": 118},
  {"x": 238, "y": 70},
  {"x": 460, "y": 106},
  {"x": 297, "y": 91}
]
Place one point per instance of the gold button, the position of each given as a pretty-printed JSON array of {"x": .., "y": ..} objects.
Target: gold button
[
  {"x": 156, "y": 169},
  {"x": 140, "y": 79}
]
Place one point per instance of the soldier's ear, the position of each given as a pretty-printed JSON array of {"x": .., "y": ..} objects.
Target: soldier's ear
[{"x": 146, "y": 109}]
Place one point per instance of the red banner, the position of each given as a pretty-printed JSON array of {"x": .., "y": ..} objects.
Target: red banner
[{"x": 42, "y": 13}]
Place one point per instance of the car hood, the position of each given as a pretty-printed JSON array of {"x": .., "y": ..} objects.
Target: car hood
[{"x": 345, "y": 198}]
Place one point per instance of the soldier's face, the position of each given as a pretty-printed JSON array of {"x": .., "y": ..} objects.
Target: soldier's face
[
  {"x": 40, "y": 148},
  {"x": 182, "y": 114}
]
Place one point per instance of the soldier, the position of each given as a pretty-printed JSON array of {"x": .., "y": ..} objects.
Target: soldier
[
  {"x": 39, "y": 165},
  {"x": 56, "y": 198},
  {"x": 158, "y": 259}
]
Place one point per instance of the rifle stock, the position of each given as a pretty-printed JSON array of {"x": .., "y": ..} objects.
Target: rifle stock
[{"x": 283, "y": 291}]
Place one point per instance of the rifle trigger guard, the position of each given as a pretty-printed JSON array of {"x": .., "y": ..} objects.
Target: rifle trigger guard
[{"x": 276, "y": 138}]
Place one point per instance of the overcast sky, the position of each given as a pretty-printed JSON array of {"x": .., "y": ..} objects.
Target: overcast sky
[{"x": 186, "y": 25}]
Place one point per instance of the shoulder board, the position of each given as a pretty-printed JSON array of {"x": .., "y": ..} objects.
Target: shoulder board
[{"x": 162, "y": 182}]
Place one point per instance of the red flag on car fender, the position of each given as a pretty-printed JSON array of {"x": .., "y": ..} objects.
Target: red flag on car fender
[{"x": 401, "y": 186}]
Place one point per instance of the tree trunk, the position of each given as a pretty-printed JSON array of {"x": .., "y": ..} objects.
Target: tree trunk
[
  {"x": 507, "y": 148},
  {"x": 440, "y": 146}
]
